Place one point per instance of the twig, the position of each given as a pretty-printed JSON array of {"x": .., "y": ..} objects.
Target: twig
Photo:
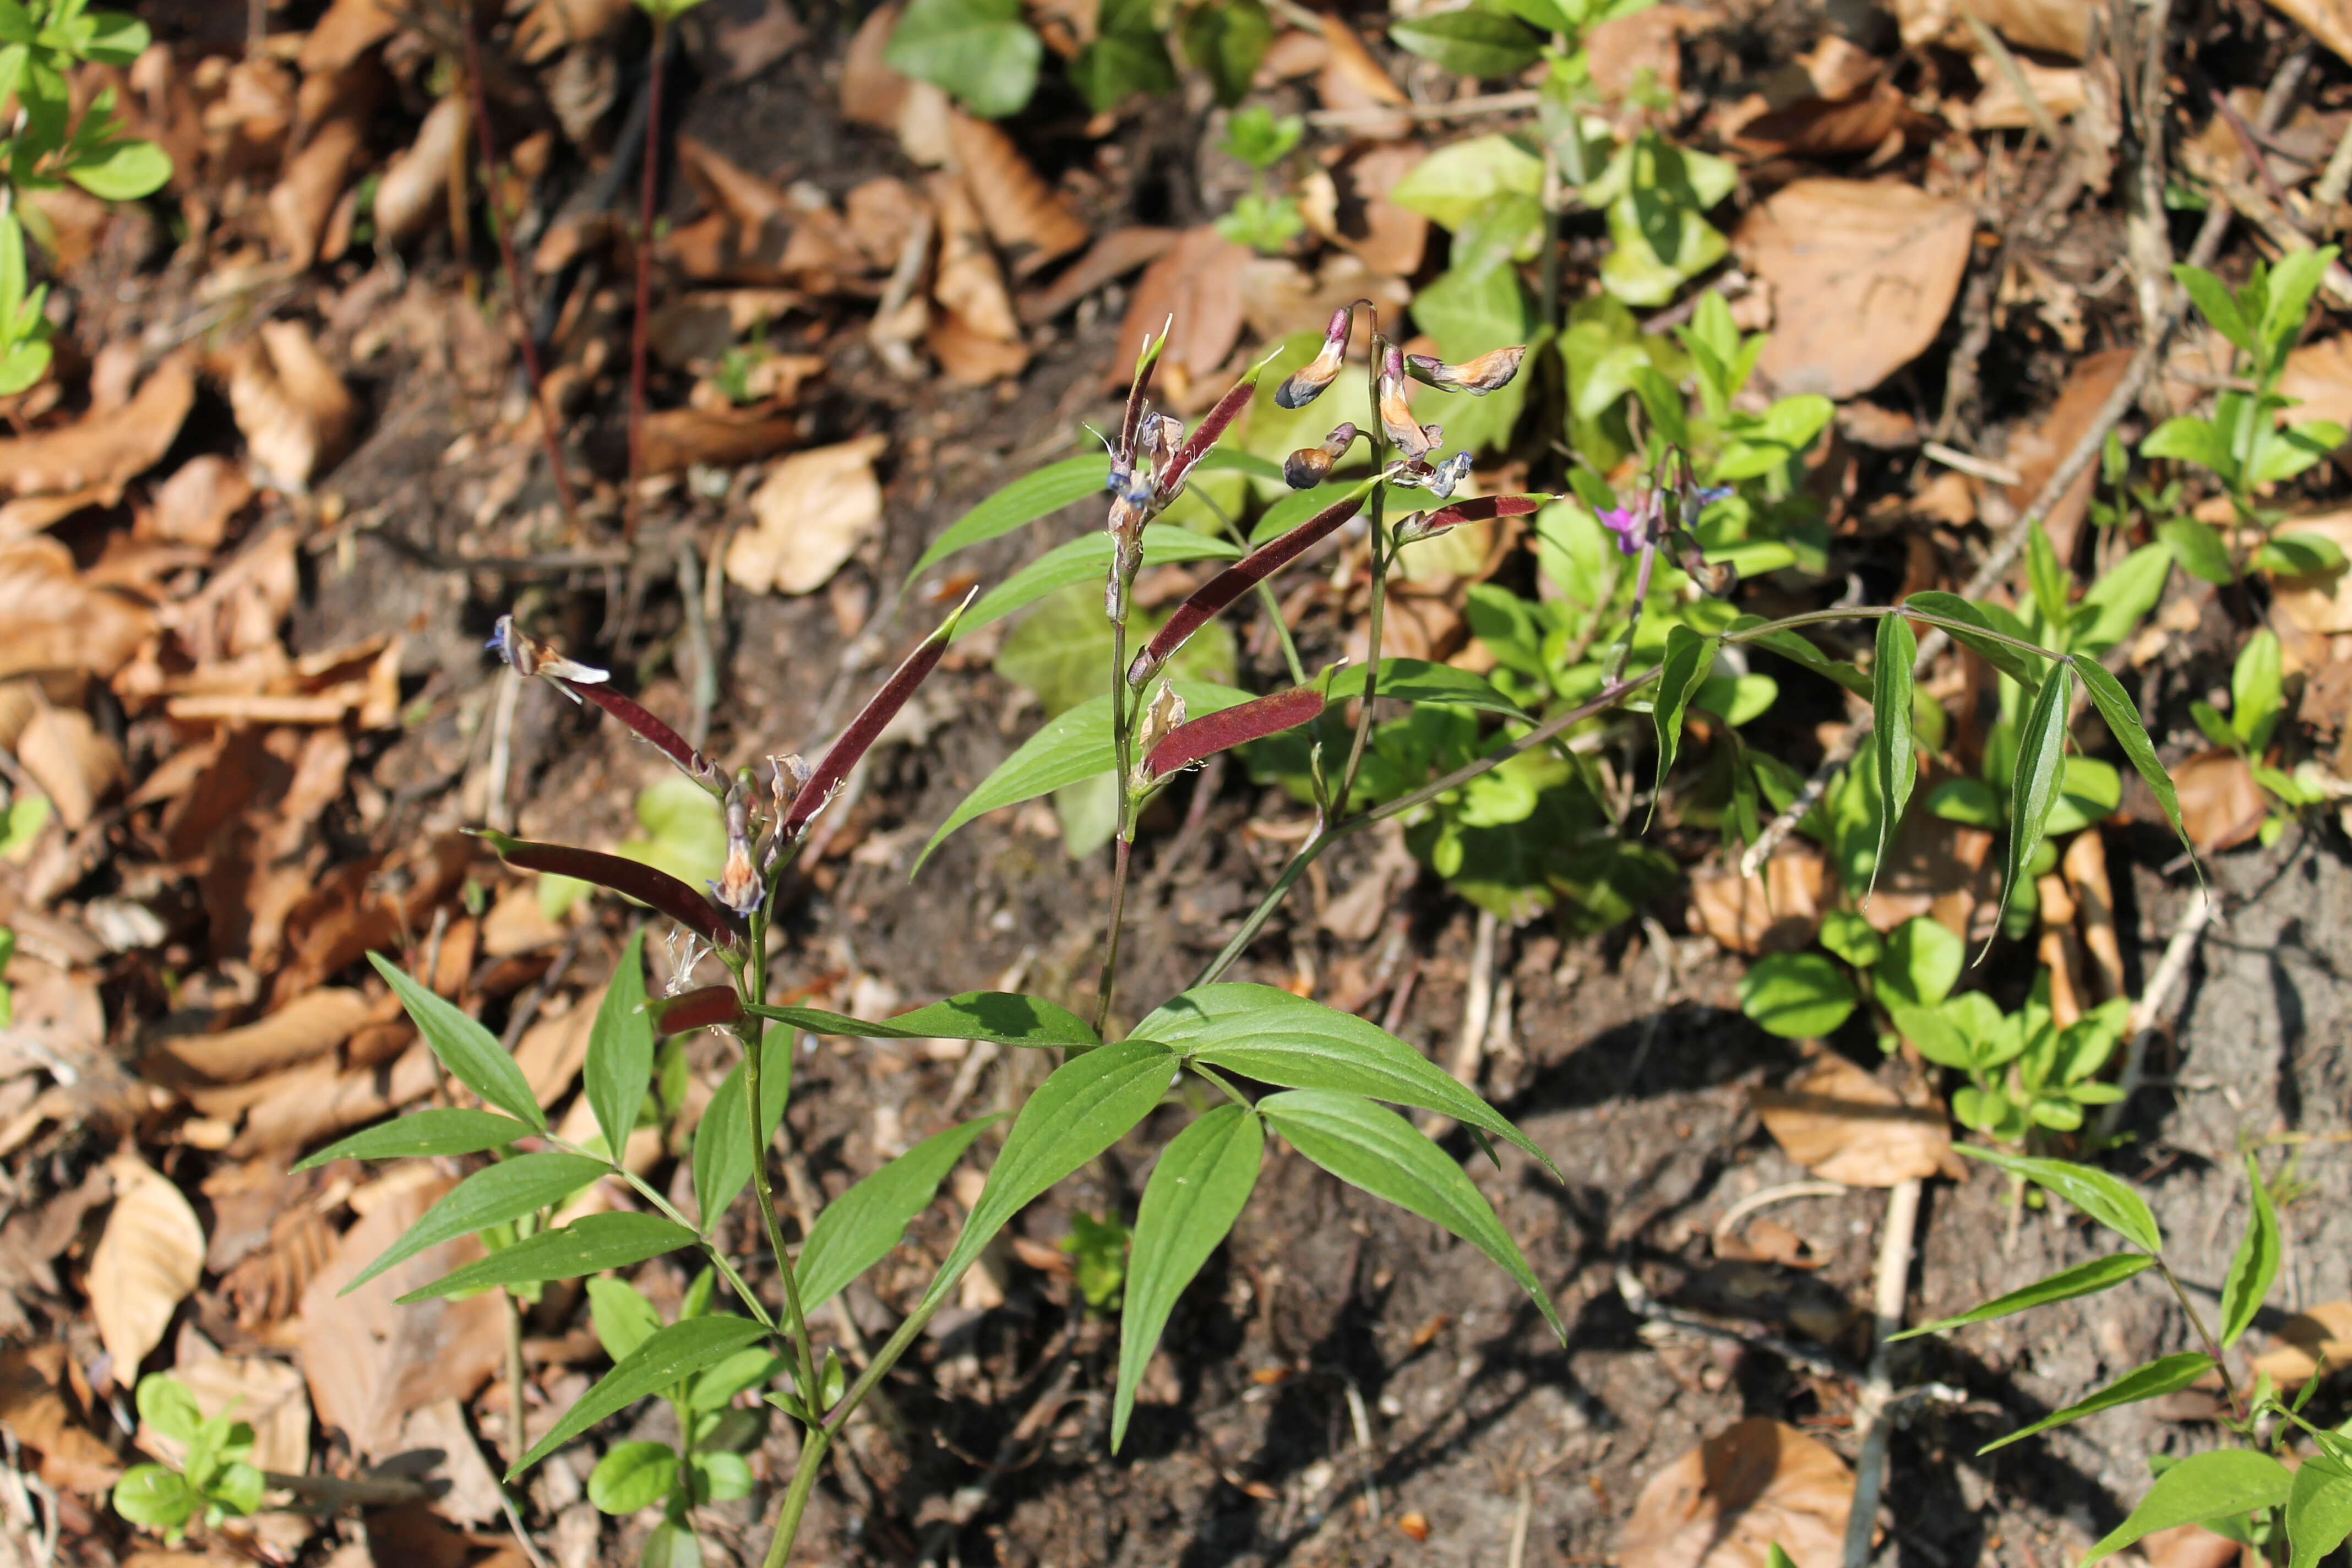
[
  {"x": 699, "y": 639},
  {"x": 1361, "y": 1421},
  {"x": 2328, "y": 195},
  {"x": 1770, "y": 1195},
  {"x": 1459, "y": 108},
  {"x": 2169, "y": 971},
  {"x": 1989, "y": 41},
  {"x": 1870, "y": 1420},
  {"x": 496, "y": 810},
  {"x": 1518, "y": 1555},
  {"x": 1982, "y": 468},
  {"x": 1643, "y": 1305}
]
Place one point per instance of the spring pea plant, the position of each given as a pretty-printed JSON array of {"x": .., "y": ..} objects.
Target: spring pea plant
[
  {"x": 1265, "y": 219},
  {"x": 2025, "y": 1072},
  {"x": 1277, "y": 1063},
  {"x": 2243, "y": 1489},
  {"x": 214, "y": 1479},
  {"x": 49, "y": 146},
  {"x": 2258, "y": 701}
]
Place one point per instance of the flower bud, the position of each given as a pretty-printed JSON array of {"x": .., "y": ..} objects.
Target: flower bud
[
  {"x": 737, "y": 887},
  {"x": 1310, "y": 466},
  {"x": 1306, "y": 384},
  {"x": 1160, "y": 438},
  {"x": 1397, "y": 422},
  {"x": 1478, "y": 377}
]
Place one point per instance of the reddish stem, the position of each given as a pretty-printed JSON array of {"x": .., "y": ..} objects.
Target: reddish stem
[{"x": 639, "y": 329}]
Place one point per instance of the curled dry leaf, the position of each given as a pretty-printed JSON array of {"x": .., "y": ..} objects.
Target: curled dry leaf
[
  {"x": 1351, "y": 80},
  {"x": 150, "y": 1256},
  {"x": 34, "y": 1410},
  {"x": 2221, "y": 804},
  {"x": 2056, "y": 26},
  {"x": 810, "y": 514},
  {"x": 413, "y": 192},
  {"x": 51, "y": 619},
  {"x": 296, "y": 416},
  {"x": 302, "y": 205},
  {"x": 1862, "y": 276},
  {"x": 2059, "y": 89},
  {"x": 1728, "y": 1502},
  {"x": 871, "y": 92},
  {"x": 722, "y": 437},
  {"x": 1027, "y": 217},
  {"x": 2036, "y": 452},
  {"x": 971, "y": 357},
  {"x": 196, "y": 505},
  {"x": 305, "y": 1027},
  {"x": 1821, "y": 126},
  {"x": 1843, "y": 1125},
  {"x": 1198, "y": 282},
  {"x": 371, "y": 1361},
  {"x": 1112, "y": 257},
  {"x": 74, "y": 764},
  {"x": 968, "y": 282},
  {"x": 347, "y": 30},
  {"x": 105, "y": 448},
  {"x": 1776, "y": 910}
]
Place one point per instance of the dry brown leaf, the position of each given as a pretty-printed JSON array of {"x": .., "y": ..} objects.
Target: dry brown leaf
[
  {"x": 1387, "y": 239},
  {"x": 35, "y": 1411},
  {"x": 751, "y": 47},
  {"x": 303, "y": 203},
  {"x": 2059, "y": 89},
  {"x": 1623, "y": 48},
  {"x": 1766, "y": 1240},
  {"x": 1822, "y": 127},
  {"x": 296, "y": 416},
  {"x": 31, "y": 514},
  {"x": 265, "y": 1393},
  {"x": 1112, "y": 257},
  {"x": 2036, "y": 452},
  {"x": 1776, "y": 910},
  {"x": 57, "y": 1015},
  {"x": 1352, "y": 79},
  {"x": 1728, "y": 1502},
  {"x": 2320, "y": 377},
  {"x": 1843, "y": 1125},
  {"x": 515, "y": 924},
  {"x": 810, "y": 515},
  {"x": 2322, "y": 604},
  {"x": 971, "y": 357},
  {"x": 551, "y": 1051},
  {"x": 1861, "y": 276},
  {"x": 871, "y": 92},
  {"x": 882, "y": 214},
  {"x": 555, "y": 24},
  {"x": 150, "y": 1257},
  {"x": 722, "y": 437},
  {"x": 106, "y": 448},
  {"x": 2325, "y": 20},
  {"x": 751, "y": 202},
  {"x": 371, "y": 1361},
  {"x": 704, "y": 324},
  {"x": 413, "y": 192},
  {"x": 306, "y": 1026},
  {"x": 2056, "y": 27},
  {"x": 74, "y": 764},
  {"x": 1198, "y": 282},
  {"x": 347, "y": 30},
  {"x": 1026, "y": 218},
  {"x": 2305, "y": 1340},
  {"x": 968, "y": 282},
  {"x": 2221, "y": 804},
  {"x": 196, "y": 505},
  {"x": 2188, "y": 1546}
]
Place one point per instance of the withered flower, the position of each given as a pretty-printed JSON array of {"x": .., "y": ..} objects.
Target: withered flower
[
  {"x": 1306, "y": 384},
  {"x": 1162, "y": 715},
  {"x": 788, "y": 773},
  {"x": 737, "y": 887},
  {"x": 1406, "y": 433},
  {"x": 1310, "y": 466},
  {"x": 1478, "y": 377},
  {"x": 527, "y": 657}
]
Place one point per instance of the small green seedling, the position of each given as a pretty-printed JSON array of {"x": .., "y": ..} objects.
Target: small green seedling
[
  {"x": 2024, "y": 1071},
  {"x": 214, "y": 1479}
]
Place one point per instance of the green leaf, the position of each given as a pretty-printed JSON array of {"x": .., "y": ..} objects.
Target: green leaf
[
  {"x": 1086, "y": 559},
  {"x": 858, "y": 1228},
  {"x": 2199, "y": 548},
  {"x": 1125, "y": 59},
  {"x": 1798, "y": 995},
  {"x": 2299, "y": 556},
  {"x": 1458, "y": 181},
  {"x": 1798, "y": 649},
  {"x": 1372, "y": 1147},
  {"x": 724, "y": 1477},
  {"x": 1922, "y": 963},
  {"x": 422, "y": 1135},
  {"x": 1890, "y": 703},
  {"x": 2082, "y": 1279},
  {"x": 1198, "y": 1188},
  {"x": 589, "y": 1244},
  {"x": 168, "y": 1405},
  {"x": 2048, "y": 579},
  {"x": 1087, "y": 1105},
  {"x": 1971, "y": 634},
  {"x": 2256, "y": 1263},
  {"x": 1005, "y": 1016},
  {"x": 1688, "y": 658},
  {"x": 980, "y": 50},
  {"x": 1024, "y": 501},
  {"x": 722, "y": 1139},
  {"x": 492, "y": 1195},
  {"x": 1846, "y": 933},
  {"x": 115, "y": 39},
  {"x": 1469, "y": 43},
  {"x": 1417, "y": 680},
  {"x": 622, "y": 1319},
  {"x": 2157, "y": 1378},
  {"x": 1225, "y": 42},
  {"x": 2033, "y": 786},
  {"x": 620, "y": 1061},
  {"x": 123, "y": 171},
  {"x": 631, "y": 1476},
  {"x": 2122, "y": 718},
  {"x": 671, "y": 1546},
  {"x": 156, "y": 1498},
  {"x": 2121, "y": 598},
  {"x": 2219, "y": 1484},
  {"x": 1066, "y": 750},
  {"x": 470, "y": 1052},
  {"x": 2318, "y": 1511},
  {"x": 1062, "y": 649},
  {"x": 666, "y": 1358},
  {"x": 2213, "y": 297},
  {"x": 2100, "y": 1196},
  {"x": 747, "y": 1368},
  {"x": 1270, "y": 1034},
  {"x": 2189, "y": 439},
  {"x": 2254, "y": 686}
]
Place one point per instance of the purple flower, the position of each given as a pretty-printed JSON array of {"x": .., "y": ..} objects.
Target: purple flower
[{"x": 1629, "y": 524}]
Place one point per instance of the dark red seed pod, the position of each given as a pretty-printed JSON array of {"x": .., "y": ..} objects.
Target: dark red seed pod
[
  {"x": 1129, "y": 424},
  {"x": 711, "y": 1007},
  {"x": 657, "y": 890},
  {"x": 1219, "y": 419},
  {"x": 672, "y": 744},
  {"x": 1204, "y": 737},
  {"x": 1479, "y": 509},
  {"x": 867, "y": 727},
  {"x": 1235, "y": 580}
]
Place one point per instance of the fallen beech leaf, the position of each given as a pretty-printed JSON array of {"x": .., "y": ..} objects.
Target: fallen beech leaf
[
  {"x": 150, "y": 1256},
  {"x": 1352, "y": 79},
  {"x": 2221, "y": 804},
  {"x": 307, "y": 1104},
  {"x": 2036, "y": 452},
  {"x": 1843, "y": 1124},
  {"x": 1822, "y": 126},
  {"x": 553, "y": 25},
  {"x": 1387, "y": 239},
  {"x": 1198, "y": 282},
  {"x": 267, "y": 1395},
  {"x": 722, "y": 437},
  {"x": 2305, "y": 1339},
  {"x": 2320, "y": 377},
  {"x": 968, "y": 282},
  {"x": 971, "y": 357},
  {"x": 74, "y": 764},
  {"x": 1112, "y": 257},
  {"x": 551, "y": 1051},
  {"x": 57, "y": 1018},
  {"x": 303, "y": 201},
  {"x": 882, "y": 214},
  {"x": 2058, "y": 26},
  {"x": 2319, "y": 604},
  {"x": 195, "y": 504},
  {"x": 31, "y": 514},
  {"x": 871, "y": 92},
  {"x": 52, "y": 620},
  {"x": 2187, "y": 1546},
  {"x": 1728, "y": 1502},
  {"x": 413, "y": 192},
  {"x": 810, "y": 514},
  {"x": 751, "y": 47},
  {"x": 1776, "y": 910},
  {"x": 2059, "y": 89},
  {"x": 107, "y": 448},
  {"x": 1624, "y": 47},
  {"x": 750, "y": 201},
  {"x": 347, "y": 30},
  {"x": 305, "y": 1027},
  {"x": 2325, "y": 20},
  {"x": 1025, "y": 216},
  {"x": 371, "y": 1361},
  {"x": 296, "y": 416},
  {"x": 34, "y": 1410},
  {"x": 1862, "y": 276}
]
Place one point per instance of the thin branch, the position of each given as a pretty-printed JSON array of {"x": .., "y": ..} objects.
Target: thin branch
[{"x": 1870, "y": 1419}]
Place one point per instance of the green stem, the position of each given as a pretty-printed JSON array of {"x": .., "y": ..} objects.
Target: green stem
[
  {"x": 752, "y": 980},
  {"x": 1118, "y": 915},
  {"x": 671, "y": 1212},
  {"x": 2212, "y": 1346},
  {"x": 788, "y": 1518},
  {"x": 1122, "y": 746}
]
